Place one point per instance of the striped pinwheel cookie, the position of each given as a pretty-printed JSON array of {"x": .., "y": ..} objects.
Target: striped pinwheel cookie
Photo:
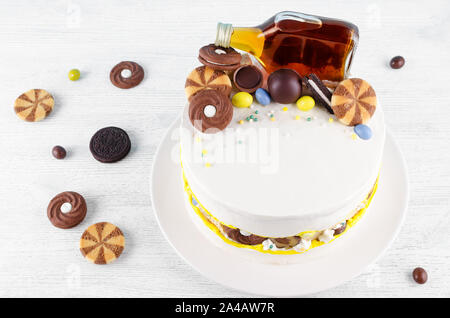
[
  {"x": 34, "y": 105},
  {"x": 203, "y": 78},
  {"x": 354, "y": 101},
  {"x": 102, "y": 243}
]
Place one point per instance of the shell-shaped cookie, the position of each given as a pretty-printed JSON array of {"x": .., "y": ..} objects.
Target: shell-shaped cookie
[
  {"x": 34, "y": 105},
  {"x": 354, "y": 101},
  {"x": 204, "y": 77},
  {"x": 102, "y": 243}
]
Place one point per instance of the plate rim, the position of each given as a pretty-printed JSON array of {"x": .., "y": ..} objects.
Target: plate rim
[{"x": 379, "y": 254}]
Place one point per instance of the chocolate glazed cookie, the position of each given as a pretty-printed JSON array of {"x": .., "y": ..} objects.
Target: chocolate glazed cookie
[
  {"x": 67, "y": 210},
  {"x": 119, "y": 79},
  {"x": 219, "y": 58},
  {"x": 237, "y": 236},
  {"x": 210, "y": 111}
]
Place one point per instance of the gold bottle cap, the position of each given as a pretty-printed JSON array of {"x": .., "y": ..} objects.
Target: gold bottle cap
[{"x": 223, "y": 36}]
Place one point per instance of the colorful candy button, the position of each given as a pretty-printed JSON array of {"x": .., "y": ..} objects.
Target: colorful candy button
[
  {"x": 74, "y": 74},
  {"x": 305, "y": 103},
  {"x": 242, "y": 100},
  {"x": 262, "y": 96},
  {"x": 363, "y": 131}
]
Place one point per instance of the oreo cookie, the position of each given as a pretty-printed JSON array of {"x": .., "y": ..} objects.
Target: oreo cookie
[
  {"x": 110, "y": 144},
  {"x": 321, "y": 93}
]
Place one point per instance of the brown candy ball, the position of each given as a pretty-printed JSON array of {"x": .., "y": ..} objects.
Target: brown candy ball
[
  {"x": 59, "y": 152},
  {"x": 420, "y": 275},
  {"x": 397, "y": 62},
  {"x": 284, "y": 86}
]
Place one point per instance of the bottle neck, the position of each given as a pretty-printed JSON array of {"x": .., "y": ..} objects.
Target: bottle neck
[
  {"x": 246, "y": 39},
  {"x": 223, "y": 36}
]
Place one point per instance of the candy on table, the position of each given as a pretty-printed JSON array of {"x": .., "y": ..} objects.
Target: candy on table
[
  {"x": 262, "y": 96},
  {"x": 242, "y": 100},
  {"x": 59, "y": 152},
  {"x": 74, "y": 74},
  {"x": 397, "y": 62},
  {"x": 363, "y": 131},
  {"x": 420, "y": 275},
  {"x": 305, "y": 103}
]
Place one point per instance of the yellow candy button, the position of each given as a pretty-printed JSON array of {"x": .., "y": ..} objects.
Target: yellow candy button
[
  {"x": 305, "y": 103},
  {"x": 242, "y": 100}
]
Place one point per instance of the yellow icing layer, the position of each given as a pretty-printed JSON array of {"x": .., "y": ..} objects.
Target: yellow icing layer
[{"x": 314, "y": 243}]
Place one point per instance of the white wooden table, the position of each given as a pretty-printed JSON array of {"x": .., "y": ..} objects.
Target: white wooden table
[{"x": 40, "y": 41}]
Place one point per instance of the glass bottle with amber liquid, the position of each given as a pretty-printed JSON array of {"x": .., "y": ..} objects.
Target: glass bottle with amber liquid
[{"x": 305, "y": 43}]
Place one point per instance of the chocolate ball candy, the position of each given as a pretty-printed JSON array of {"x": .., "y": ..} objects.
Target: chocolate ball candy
[
  {"x": 420, "y": 275},
  {"x": 59, "y": 152},
  {"x": 397, "y": 62},
  {"x": 284, "y": 86}
]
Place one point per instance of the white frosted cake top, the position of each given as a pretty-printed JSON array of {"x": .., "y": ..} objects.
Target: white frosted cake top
[{"x": 304, "y": 174}]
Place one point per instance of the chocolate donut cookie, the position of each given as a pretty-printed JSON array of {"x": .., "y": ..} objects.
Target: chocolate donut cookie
[
  {"x": 210, "y": 111},
  {"x": 219, "y": 58},
  {"x": 110, "y": 144},
  {"x": 102, "y": 243},
  {"x": 66, "y": 210},
  {"x": 134, "y": 71}
]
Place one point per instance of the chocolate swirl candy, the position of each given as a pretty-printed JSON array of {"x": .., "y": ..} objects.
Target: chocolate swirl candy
[
  {"x": 66, "y": 210},
  {"x": 206, "y": 78},
  {"x": 132, "y": 74},
  {"x": 354, "y": 101},
  {"x": 210, "y": 111}
]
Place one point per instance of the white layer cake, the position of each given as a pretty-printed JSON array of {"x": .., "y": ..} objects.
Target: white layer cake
[{"x": 285, "y": 173}]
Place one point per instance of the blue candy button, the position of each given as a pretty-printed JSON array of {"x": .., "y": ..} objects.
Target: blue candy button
[
  {"x": 363, "y": 131},
  {"x": 262, "y": 96}
]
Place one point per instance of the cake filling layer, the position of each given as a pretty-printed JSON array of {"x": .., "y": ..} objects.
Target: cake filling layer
[{"x": 296, "y": 244}]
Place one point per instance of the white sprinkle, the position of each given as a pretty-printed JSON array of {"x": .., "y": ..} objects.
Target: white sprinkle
[{"x": 245, "y": 233}]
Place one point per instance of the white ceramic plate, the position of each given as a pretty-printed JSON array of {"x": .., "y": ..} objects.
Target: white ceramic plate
[{"x": 316, "y": 270}]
